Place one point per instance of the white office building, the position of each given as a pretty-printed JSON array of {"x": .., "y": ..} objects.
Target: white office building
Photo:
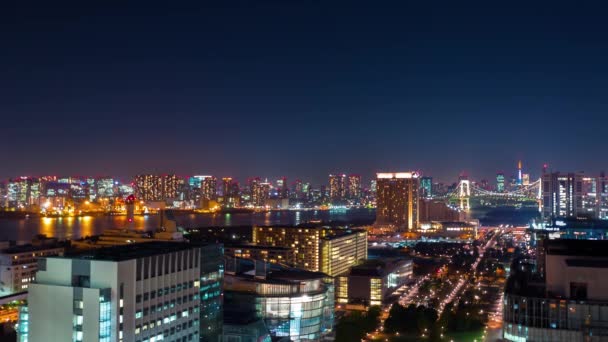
[{"x": 143, "y": 292}]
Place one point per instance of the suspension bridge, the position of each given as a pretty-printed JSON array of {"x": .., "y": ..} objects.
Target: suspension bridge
[{"x": 466, "y": 191}]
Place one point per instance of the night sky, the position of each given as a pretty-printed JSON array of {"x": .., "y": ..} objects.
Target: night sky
[{"x": 303, "y": 88}]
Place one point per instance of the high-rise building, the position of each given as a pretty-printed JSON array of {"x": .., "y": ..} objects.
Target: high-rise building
[
  {"x": 156, "y": 187},
  {"x": 282, "y": 190},
  {"x": 354, "y": 187},
  {"x": 566, "y": 302},
  {"x": 259, "y": 191},
  {"x": 373, "y": 186},
  {"x": 426, "y": 185},
  {"x": 562, "y": 194},
  {"x": 209, "y": 188},
  {"x": 337, "y": 187},
  {"x": 500, "y": 182},
  {"x": 23, "y": 193},
  {"x": 140, "y": 292},
  {"x": 298, "y": 191},
  {"x": 319, "y": 249},
  {"x": 228, "y": 187},
  {"x": 397, "y": 200},
  {"x": 525, "y": 179},
  {"x": 105, "y": 187}
]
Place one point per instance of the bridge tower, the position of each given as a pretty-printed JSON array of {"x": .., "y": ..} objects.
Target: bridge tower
[{"x": 464, "y": 193}]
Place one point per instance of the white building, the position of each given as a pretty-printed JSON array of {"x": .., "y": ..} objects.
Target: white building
[
  {"x": 141, "y": 292},
  {"x": 18, "y": 266}
]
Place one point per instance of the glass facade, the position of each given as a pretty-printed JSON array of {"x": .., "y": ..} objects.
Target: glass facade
[
  {"x": 211, "y": 296},
  {"x": 23, "y": 326},
  {"x": 548, "y": 319},
  {"x": 301, "y": 310},
  {"x": 105, "y": 319}
]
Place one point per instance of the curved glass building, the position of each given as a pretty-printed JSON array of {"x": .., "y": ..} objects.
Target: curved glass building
[{"x": 293, "y": 303}]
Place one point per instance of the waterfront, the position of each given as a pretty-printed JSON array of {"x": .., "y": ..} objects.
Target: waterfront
[{"x": 76, "y": 227}]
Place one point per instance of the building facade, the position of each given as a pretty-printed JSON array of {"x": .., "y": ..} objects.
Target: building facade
[
  {"x": 397, "y": 200},
  {"x": 294, "y": 304},
  {"x": 337, "y": 187},
  {"x": 373, "y": 281},
  {"x": 271, "y": 254},
  {"x": 141, "y": 292},
  {"x": 569, "y": 304},
  {"x": 18, "y": 266},
  {"x": 318, "y": 249},
  {"x": 562, "y": 194}
]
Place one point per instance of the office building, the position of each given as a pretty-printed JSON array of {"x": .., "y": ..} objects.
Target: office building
[
  {"x": 452, "y": 229},
  {"x": 23, "y": 193},
  {"x": 562, "y": 194},
  {"x": 18, "y": 265},
  {"x": 397, "y": 197},
  {"x": 104, "y": 187},
  {"x": 426, "y": 185},
  {"x": 154, "y": 188},
  {"x": 294, "y": 304},
  {"x": 373, "y": 281},
  {"x": 354, "y": 187},
  {"x": 155, "y": 291},
  {"x": 282, "y": 189},
  {"x": 500, "y": 182},
  {"x": 569, "y": 304},
  {"x": 318, "y": 249},
  {"x": 259, "y": 192},
  {"x": 438, "y": 210},
  {"x": 209, "y": 188},
  {"x": 337, "y": 187},
  {"x": 271, "y": 254}
]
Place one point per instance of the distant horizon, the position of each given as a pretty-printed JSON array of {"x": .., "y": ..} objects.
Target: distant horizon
[{"x": 366, "y": 178}]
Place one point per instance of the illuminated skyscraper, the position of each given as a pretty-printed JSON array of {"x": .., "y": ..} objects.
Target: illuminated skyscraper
[
  {"x": 337, "y": 187},
  {"x": 259, "y": 191},
  {"x": 500, "y": 182},
  {"x": 226, "y": 186},
  {"x": 105, "y": 187},
  {"x": 319, "y": 249},
  {"x": 298, "y": 189},
  {"x": 209, "y": 188},
  {"x": 23, "y": 193},
  {"x": 282, "y": 190},
  {"x": 156, "y": 187},
  {"x": 397, "y": 200},
  {"x": 426, "y": 184},
  {"x": 354, "y": 187},
  {"x": 562, "y": 194}
]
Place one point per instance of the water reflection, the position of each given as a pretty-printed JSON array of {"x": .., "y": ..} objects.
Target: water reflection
[{"x": 76, "y": 227}]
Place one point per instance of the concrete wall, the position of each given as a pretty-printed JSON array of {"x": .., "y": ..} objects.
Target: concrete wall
[
  {"x": 560, "y": 275},
  {"x": 42, "y": 306}
]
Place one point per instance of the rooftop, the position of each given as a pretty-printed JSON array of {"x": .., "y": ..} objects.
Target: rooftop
[
  {"x": 592, "y": 248},
  {"x": 377, "y": 267},
  {"x": 258, "y": 247},
  {"x": 131, "y": 251},
  {"x": 28, "y": 248}
]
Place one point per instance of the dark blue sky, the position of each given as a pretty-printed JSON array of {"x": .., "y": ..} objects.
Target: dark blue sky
[{"x": 303, "y": 88}]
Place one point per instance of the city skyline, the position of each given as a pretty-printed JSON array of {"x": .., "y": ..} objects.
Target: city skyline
[
  {"x": 255, "y": 89},
  {"x": 510, "y": 172}
]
